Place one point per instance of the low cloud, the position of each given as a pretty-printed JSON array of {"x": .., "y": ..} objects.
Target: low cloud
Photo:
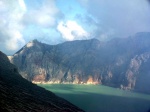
[
  {"x": 46, "y": 20},
  {"x": 11, "y": 13},
  {"x": 45, "y": 16},
  {"x": 72, "y": 31},
  {"x": 16, "y": 41},
  {"x": 123, "y": 17},
  {"x": 15, "y": 19}
]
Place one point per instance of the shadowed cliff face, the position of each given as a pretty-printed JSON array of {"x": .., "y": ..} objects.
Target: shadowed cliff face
[
  {"x": 17, "y": 94},
  {"x": 121, "y": 62}
]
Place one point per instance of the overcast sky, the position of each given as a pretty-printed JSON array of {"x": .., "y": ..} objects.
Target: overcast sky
[{"x": 56, "y": 21}]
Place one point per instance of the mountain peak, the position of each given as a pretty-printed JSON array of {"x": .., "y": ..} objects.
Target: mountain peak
[
  {"x": 35, "y": 41},
  {"x": 32, "y": 43},
  {"x": 77, "y": 61}
]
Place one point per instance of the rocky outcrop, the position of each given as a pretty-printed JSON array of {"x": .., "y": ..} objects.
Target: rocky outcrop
[
  {"x": 20, "y": 95},
  {"x": 120, "y": 62}
]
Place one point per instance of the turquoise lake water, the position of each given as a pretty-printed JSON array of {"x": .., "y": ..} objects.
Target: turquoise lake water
[{"x": 98, "y": 98}]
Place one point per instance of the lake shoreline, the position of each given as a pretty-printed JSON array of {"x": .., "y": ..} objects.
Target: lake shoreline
[{"x": 102, "y": 98}]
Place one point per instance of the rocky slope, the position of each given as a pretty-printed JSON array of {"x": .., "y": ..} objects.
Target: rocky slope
[
  {"x": 120, "y": 62},
  {"x": 20, "y": 95}
]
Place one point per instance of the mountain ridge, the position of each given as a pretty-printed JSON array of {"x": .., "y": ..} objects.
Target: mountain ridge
[{"x": 115, "y": 63}]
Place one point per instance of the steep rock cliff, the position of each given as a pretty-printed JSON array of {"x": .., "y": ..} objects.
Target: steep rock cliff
[
  {"x": 20, "y": 95},
  {"x": 120, "y": 62}
]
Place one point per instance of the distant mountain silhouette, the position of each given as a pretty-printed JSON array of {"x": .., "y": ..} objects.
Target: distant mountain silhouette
[
  {"x": 121, "y": 62},
  {"x": 20, "y": 95}
]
